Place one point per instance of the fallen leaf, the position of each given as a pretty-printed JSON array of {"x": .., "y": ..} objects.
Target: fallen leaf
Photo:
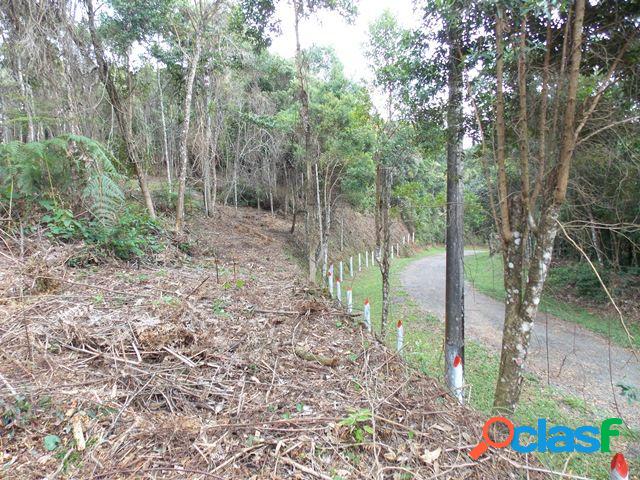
[{"x": 430, "y": 456}]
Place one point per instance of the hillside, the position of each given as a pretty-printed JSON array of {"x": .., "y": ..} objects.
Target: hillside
[{"x": 177, "y": 368}]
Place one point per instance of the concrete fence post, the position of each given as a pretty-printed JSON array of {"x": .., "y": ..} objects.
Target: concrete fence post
[
  {"x": 330, "y": 278},
  {"x": 619, "y": 468},
  {"x": 458, "y": 379},
  {"x": 349, "y": 300},
  {"x": 367, "y": 314}
]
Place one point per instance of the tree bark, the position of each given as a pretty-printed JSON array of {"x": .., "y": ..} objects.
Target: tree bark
[
  {"x": 184, "y": 134},
  {"x": 303, "y": 97},
  {"x": 384, "y": 204},
  {"x": 521, "y": 307}
]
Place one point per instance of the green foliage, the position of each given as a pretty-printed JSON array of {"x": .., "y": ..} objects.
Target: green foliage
[
  {"x": 69, "y": 172},
  {"x": 51, "y": 442},
  {"x": 132, "y": 235},
  {"x": 359, "y": 424},
  {"x": 580, "y": 278}
]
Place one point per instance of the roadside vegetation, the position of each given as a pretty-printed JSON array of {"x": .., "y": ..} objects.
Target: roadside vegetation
[
  {"x": 424, "y": 335},
  {"x": 570, "y": 289}
]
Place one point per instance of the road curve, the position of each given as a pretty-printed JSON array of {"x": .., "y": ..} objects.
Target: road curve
[{"x": 578, "y": 358}]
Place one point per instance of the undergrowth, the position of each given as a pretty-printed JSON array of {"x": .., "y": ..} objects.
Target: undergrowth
[{"x": 424, "y": 335}]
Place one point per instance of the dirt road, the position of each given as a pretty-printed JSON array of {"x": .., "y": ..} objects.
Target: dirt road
[{"x": 578, "y": 359}]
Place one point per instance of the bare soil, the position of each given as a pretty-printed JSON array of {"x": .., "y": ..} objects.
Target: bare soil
[{"x": 219, "y": 365}]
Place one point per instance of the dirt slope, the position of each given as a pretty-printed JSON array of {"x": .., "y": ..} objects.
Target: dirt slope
[{"x": 167, "y": 370}]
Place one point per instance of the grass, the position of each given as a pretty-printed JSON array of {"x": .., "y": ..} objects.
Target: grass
[
  {"x": 485, "y": 272},
  {"x": 423, "y": 349}
]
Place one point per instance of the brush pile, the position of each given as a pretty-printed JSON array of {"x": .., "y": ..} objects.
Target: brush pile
[{"x": 222, "y": 365}]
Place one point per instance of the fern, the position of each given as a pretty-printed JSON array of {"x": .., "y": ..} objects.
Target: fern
[{"x": 72, "y": 170}]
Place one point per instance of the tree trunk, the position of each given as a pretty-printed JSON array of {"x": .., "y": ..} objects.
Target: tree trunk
[
  {"x": 165, "y": 143},
  {"x": 184, "y": 134},
  {"x": 303, "y": 97},
  {"x": 454, "y": 303},
  {"x": 384, "y": 181},
  {"x": 521, "y": 307},
  {"x": 118, "y": 108}
]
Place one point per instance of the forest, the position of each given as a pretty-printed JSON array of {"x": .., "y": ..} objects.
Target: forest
[{"x": 179, "y": 204}]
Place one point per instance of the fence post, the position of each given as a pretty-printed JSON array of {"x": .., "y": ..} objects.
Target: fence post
[
  {"x": 367, "y": 314},
  {"x": 400, "y": 337},
  {"x": 330, "y": 275},
  {"x": 338, "y": 291},
  {"x": 341, "y": 271},
  {"x": 351, "y": 266},
  {"x": 458, "y": 379},
  {"x": 359, "y": 262},
  {"x": 619, "y": 468},
  {"x": 413, "y": 237},
  {"x": 366, "y": 258},
  {"x": 349, "y": 300}
]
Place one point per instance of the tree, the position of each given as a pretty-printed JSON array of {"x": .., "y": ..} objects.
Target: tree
[{"x": 528, "y": 209}]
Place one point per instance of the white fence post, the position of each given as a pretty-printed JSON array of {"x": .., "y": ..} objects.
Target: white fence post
[
  {"x": 338, "y": 291},
  {"x": 458, "y": 378},
  {"x": 397, "y": 249},
  {"x": 400, "y": 337},
  {"x": 413, "y": 237},
  {"x": 366, "y": 259},
  {"x": 359, "y": 262},
  {"x": 391, "y": 252},
  {"x": 341, "y": 271},
  {"x": 367, "y": 314},
  {"x": 351, "y": 266},
  {"x": 619, "y": 468},
  {"x": 330, "y": 275},
  {"x": 349, "y": 300}
]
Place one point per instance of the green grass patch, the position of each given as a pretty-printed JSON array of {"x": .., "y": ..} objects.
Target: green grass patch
[
  {"x": 424, "y": 336},
  {"x": 485, "y": 272}
]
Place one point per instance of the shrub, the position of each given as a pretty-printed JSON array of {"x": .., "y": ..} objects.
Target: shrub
[
  {"x": 581, "y": 279},
  {"x": 68, "y": 172}
]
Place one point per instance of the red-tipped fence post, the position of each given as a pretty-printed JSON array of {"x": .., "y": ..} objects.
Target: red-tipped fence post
[
  {"x": 367, "y": 314},
  {"x": 400, "y": 337},
  {"x": 619, "y": 468}
]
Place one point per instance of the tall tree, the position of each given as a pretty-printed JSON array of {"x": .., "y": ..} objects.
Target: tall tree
[{"x": 120, "y": 107}]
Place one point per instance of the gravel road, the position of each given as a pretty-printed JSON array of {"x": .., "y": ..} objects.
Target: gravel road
[{"x": 578, "y": 358}]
